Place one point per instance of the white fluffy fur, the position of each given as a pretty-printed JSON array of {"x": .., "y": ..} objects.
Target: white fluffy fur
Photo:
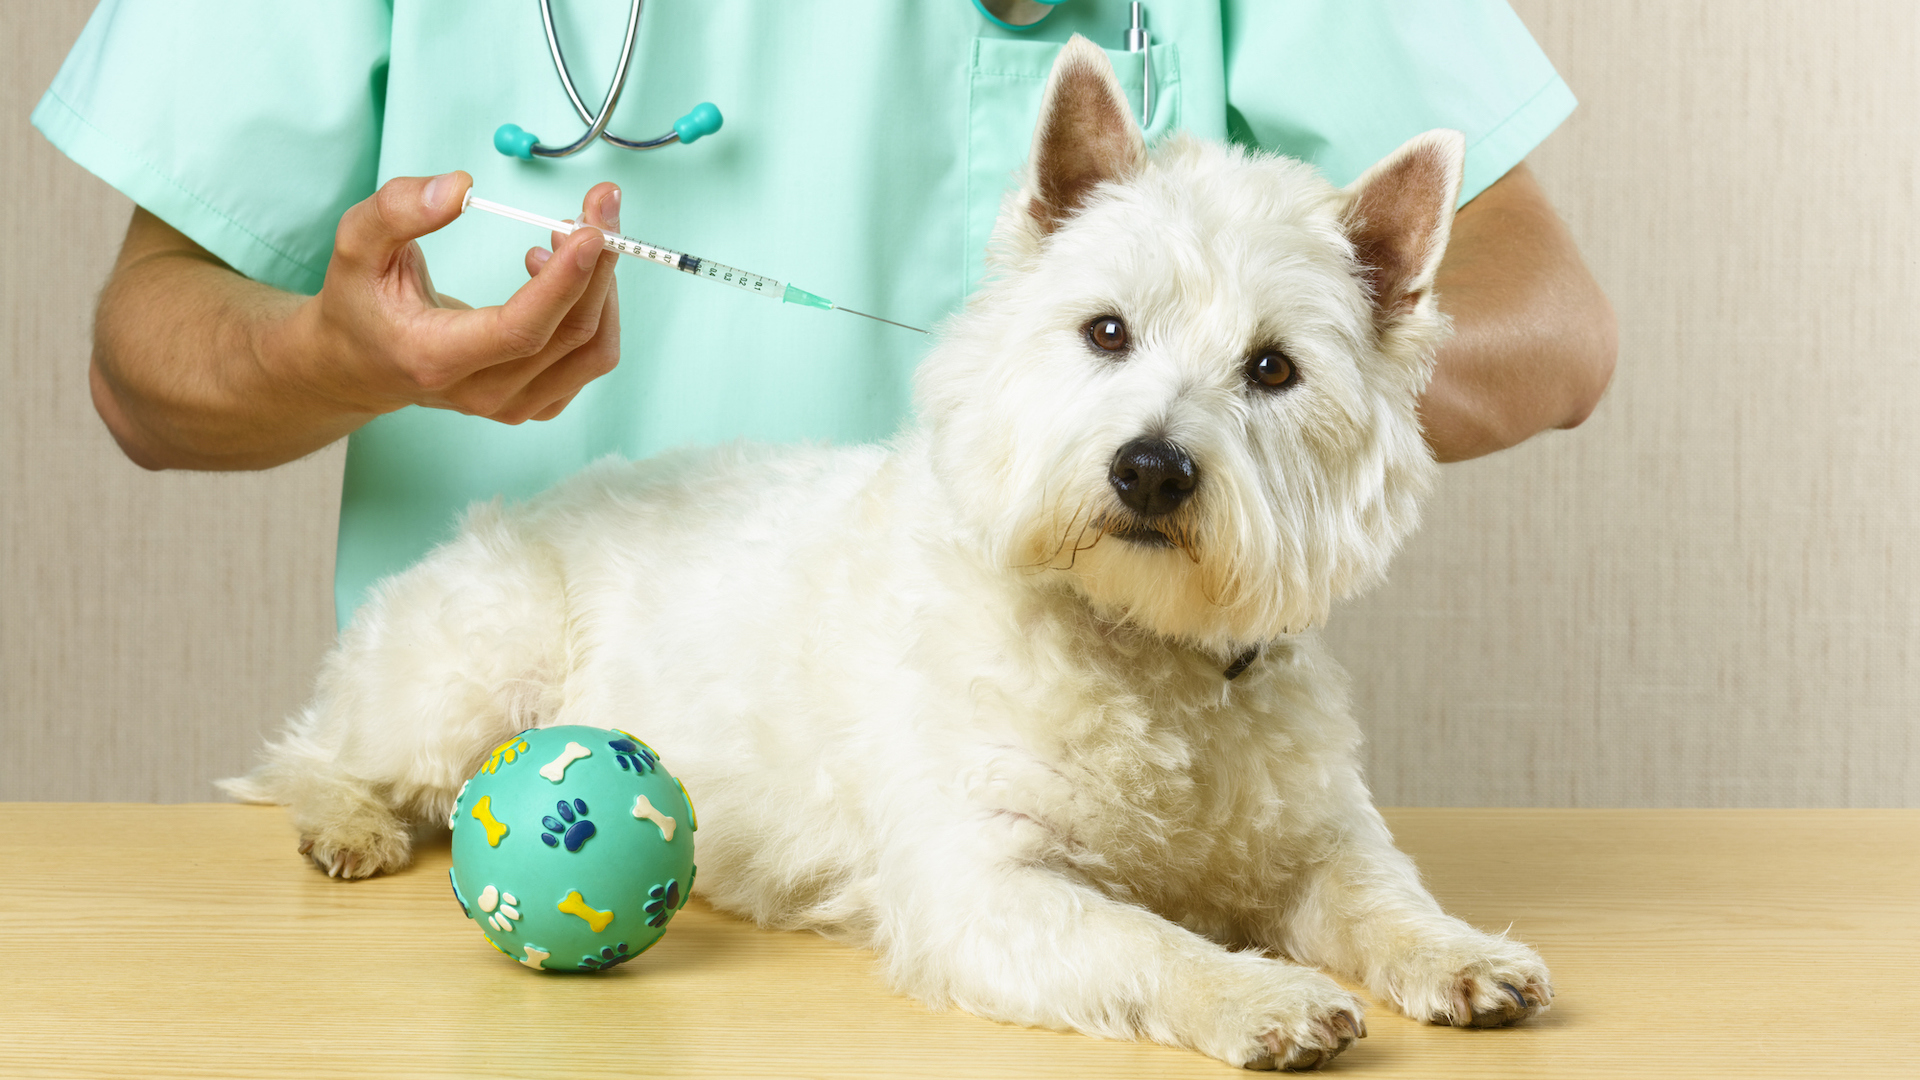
[{"x": 925, "y": 707}]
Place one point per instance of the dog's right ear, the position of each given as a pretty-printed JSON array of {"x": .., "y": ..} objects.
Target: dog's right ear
[
  {"x": 1399, "y": 215},
  {"x": 1086, "y": 136}
]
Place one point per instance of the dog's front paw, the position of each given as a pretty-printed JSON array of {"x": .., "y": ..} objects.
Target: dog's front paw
[
  {"x": 1477, "y": 981},
  {"x": 1310, "y": 1042},
  {"x": 1275, "y": 1015},
  {"x": 358, "y": 850}
]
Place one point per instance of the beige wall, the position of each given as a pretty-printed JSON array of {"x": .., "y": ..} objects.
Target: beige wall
[
  {"x": 151, "y": 624},
  {"x": 1705, "y": 596}
]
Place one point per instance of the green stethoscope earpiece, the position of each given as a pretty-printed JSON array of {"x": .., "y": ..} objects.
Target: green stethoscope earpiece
[{"x": 1015, "y": 14}]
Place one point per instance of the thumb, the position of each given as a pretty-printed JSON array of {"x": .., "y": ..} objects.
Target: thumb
[{"x": 404, "y": 209}]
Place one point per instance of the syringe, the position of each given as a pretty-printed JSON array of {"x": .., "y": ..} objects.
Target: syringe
[{"x": 758, "y": 284}]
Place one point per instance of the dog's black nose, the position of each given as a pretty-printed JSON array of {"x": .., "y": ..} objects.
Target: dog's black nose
[{"x": 1152, "y": 476}]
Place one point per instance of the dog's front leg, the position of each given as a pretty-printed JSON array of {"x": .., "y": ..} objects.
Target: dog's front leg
[
  {"x": 446, "y": 659},
  {"x": 1014, "y": 940},
  {"x": 1363, "y": 913}
]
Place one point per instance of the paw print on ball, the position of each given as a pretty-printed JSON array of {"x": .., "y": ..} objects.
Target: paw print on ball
[
  {"x": 634, "y": 754},
  {"x": 571, "y": 828},
  {"x": 662, "y": 902},
  {"x": 499, "y": 906},
  {"x": 607, "y": 957}
]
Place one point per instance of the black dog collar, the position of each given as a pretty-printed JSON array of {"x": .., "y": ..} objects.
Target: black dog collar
[{"x": 1242, "y": 662}]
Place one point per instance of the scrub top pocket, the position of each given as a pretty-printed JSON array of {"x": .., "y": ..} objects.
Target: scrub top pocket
[{"x": 1004, "y": 85}]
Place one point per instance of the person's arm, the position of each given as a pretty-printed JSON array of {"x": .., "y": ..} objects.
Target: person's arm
[
  {"x": 1533, "y": 337},
  {"x": 197, "y": 367}
]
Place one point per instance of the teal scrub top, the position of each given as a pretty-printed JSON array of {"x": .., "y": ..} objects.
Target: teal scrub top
[{"x": 866, "y": 147}]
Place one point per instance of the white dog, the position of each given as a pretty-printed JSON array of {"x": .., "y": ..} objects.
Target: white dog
[{"x": 1027, "y": 702}]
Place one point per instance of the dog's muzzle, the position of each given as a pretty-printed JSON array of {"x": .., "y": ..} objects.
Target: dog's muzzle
[{"x": 1152, "y": 477}]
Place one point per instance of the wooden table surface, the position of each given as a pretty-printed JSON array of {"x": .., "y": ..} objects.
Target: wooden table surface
[{"x": 157, "y": 941}]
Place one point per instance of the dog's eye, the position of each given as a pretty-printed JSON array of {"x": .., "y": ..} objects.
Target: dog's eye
[
  {"x": 1108, "y": 334},
  {"x": 1271, "y": 368}
]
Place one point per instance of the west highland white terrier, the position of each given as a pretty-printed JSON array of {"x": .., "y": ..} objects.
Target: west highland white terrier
[{"x": 1028, "y": 702}]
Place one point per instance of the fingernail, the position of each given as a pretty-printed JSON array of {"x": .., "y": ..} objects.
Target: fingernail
[
  {"x": 589, "y": 250},
  {"x": 610, "y": 208},
  {"x": 540, "y": 256},
  {"x": 436, "y": 188}
]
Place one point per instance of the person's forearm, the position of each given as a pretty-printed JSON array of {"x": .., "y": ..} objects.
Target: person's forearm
[
  {"x": 1533, "y": 340},
  {"x": 193, "y": 367},
  {"x": 197, "y": 367}
]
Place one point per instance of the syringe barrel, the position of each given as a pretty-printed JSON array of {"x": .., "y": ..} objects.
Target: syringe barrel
[
  {"x": 732, "y": 275},
  {"x": 693, "y": 264}
]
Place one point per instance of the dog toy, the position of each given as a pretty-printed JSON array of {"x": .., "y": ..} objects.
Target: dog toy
[{"x": 572, "y": 847}]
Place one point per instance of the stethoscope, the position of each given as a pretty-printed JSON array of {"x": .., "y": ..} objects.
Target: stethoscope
[
  {"x": 705, "y": 118},
  {"x": 702, "y": 119}
]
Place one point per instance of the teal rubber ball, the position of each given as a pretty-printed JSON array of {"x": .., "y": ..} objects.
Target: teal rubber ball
[{"x": 572, "y": 847}]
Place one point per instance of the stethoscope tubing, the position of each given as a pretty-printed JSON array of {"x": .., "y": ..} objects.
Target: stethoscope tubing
[{"x": 596, "y": 124}]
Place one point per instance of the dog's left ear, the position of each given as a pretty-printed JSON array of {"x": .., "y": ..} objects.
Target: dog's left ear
[
  {"x": 1398, "y": 217},
  {"x": 1086, "y": 135}
]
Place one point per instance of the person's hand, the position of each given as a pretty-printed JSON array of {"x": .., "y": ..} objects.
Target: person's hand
[{"x": 379, "y": 337}]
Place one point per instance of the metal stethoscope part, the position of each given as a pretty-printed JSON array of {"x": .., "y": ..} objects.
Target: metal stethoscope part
[{"x": 510, "y": 139}]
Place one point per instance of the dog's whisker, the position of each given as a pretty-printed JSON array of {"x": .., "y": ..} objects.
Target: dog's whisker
[
  {"x": 1100, "y": 527},
  {"x": 1072, "y": 546},
  {"x": 1055, "y": 553},
  {"x": 1047, "y": 562},
  {"x": 1178, "y": 539},
  {"x": 1068, "y": 537},
  {"x": 1069, "y": 540}
]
